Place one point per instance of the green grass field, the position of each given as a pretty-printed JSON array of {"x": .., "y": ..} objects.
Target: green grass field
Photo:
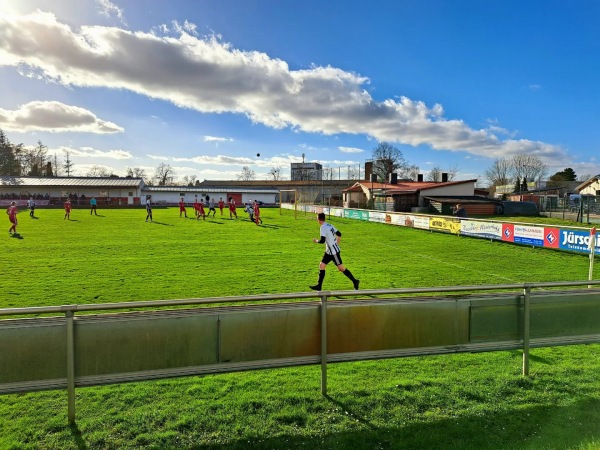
[{"x": 471, "y": 401}]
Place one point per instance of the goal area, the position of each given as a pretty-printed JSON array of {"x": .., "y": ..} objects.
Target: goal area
[{"x": 288, "y": 199}]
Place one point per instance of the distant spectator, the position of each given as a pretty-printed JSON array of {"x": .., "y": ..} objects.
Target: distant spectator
[{"x": 459, "y": 211}]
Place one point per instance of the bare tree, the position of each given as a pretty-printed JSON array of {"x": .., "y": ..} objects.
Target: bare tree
[
  {"x": 435, "y": 174},
  {"x": 98, "y": 171},
  {"x": 247, "y": 174},
  {"x": 498, "y": 174},
  {"x": 527, "y": 166},
  {"x": 408, "y": 173},
  {"x": 136, "y": 172},
  {"x": 275, "y": 174},
  {"x": 387, "y": 159},
  {"x": 164, "y": 174},
  {"x": 354, "y": 172},
  {"x": 189, "y": 180},
  {"x": 68, "y": 163}
]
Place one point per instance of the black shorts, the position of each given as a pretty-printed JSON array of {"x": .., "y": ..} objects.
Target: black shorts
[{"x": 336, "y": 258}]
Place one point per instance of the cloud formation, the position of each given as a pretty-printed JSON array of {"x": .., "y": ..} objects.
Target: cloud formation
[
  {"x": 90, "y": 152},
  {"x": 54, "y": 117},
  {"x": 207, "y": 75}
]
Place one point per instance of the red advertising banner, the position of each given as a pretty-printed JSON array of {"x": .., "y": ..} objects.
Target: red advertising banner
[
  {"x": 508, "y": 232},
  {"x": 552, "y": 237}
]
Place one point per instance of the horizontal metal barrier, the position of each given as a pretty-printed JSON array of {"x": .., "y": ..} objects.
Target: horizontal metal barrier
[{"x": 217, "y": 335}]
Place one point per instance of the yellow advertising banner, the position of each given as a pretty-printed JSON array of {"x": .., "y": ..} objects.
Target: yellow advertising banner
[{"x": 445, "y": 225}]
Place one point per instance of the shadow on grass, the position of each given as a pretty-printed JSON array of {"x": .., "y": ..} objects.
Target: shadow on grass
[
  {"x": 78, "y": 437},
  {"x": 162, "y": 223},
  {"x": 16, "y": 236},
  {"x": 534, "y": 428}
]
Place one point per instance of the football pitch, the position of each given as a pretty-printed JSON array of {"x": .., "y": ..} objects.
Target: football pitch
[{"x": 460, "y": 401}]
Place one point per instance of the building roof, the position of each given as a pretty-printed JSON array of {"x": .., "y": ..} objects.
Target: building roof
[
  {"x": 463, "y": 199},
  {"x": 208, "y": 189},
  {"x": 587, "y": 183},
  {"x": 275, "y": 184},
  {"x": 403, "y": 187},
  {"x": 73, "y": 182}
]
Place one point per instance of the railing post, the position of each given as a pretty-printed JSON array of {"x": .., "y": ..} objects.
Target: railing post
[
  {"x": 70, "y": 367},
  {"x": 526, "y": 331},
  {"x": 324, "y": 344}
]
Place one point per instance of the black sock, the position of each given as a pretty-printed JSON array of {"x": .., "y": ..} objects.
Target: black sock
[
  {"x": 321, "y": 277},
  {"x": 349, "y": 274}
]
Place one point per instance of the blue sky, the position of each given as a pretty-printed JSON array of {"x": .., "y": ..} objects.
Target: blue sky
[{"x": 205, "y": 85}]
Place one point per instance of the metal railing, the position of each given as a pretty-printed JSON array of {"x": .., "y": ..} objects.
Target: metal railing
[{"x": 65, "y": 351}]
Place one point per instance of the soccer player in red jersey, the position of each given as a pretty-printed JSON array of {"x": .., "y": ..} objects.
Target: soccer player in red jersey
[
  {"x": 12, "y": 217},
  {"x": 221, "y": 205},
  {"x": 257, "y": 213},
  {"x": 232, "y": 211},
  {"x": 199, "y": 208},
  {"x": 182, "y": 207},
  {"x": 68, "y": 209}
]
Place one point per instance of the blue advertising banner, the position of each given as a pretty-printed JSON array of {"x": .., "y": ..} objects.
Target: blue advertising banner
[{"x": 577, "y": 241}]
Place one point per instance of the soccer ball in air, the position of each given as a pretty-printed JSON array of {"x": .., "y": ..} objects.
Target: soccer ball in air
[{"x": 258, "y": 155}]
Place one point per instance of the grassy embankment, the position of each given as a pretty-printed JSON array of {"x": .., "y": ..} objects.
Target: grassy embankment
[{"x": 476, "y": 401}]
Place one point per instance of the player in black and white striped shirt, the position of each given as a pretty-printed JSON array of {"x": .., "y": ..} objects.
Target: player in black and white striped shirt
[{"x": 330, "y": 236}]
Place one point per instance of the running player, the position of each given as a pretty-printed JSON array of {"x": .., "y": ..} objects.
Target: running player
[
  {"x": 12, "y": 217},
  {"x": 330, "y": 236},
  {"x": 199, "y": 209},
  {"x": 221, "y": 204},
  {"x": 232, "y": 211},
  {"x": 211, "y": 207},
  {"x": 257, "y": 213}
]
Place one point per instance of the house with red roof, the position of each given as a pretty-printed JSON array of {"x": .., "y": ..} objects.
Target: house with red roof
[{"x": 405, "y": 196}]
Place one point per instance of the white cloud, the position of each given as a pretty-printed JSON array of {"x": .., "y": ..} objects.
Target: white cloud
[
  {"x": 350, "y": 150},
  {"x": 208, "y": 75},
  {"x": 90, "y": 152},
  {"x": 54, "y": 117},
  {"x": 109, "y": 9},
  {"x": 217, "y": 139}
]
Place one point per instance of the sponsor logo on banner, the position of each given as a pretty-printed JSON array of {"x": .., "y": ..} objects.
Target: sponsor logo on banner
[
  {"x": 508, "y": 232},
  {"x": 445, "y": 225},
  {"x": 551, "y": 237},
  {"x": 398, "y": 219},
  {"x": 356, "y": 214},
  {"x": 481, "y": 229},
  {"x": 338, "y": 212},
  {"x": 420, "y": 222},
  {"x": 529, "y": 235},
  {"x": 578, "y": 241},
  {"x": 376, "y": 217}
]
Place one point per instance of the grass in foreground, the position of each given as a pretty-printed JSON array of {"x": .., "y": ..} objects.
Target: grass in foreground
[{"x": 473, "y": 401}]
